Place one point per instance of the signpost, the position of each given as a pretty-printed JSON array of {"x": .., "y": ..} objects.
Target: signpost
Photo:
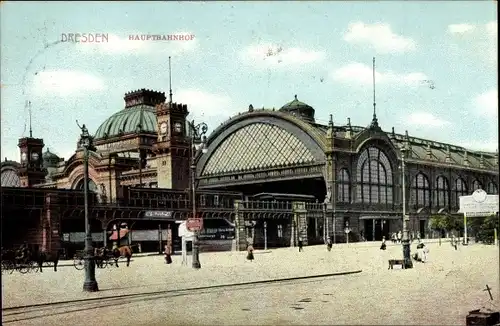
[
  {"x": 479, "y": 203},
  {"x": 347, "y": 230},
  {"x": 194, "y": 224}
]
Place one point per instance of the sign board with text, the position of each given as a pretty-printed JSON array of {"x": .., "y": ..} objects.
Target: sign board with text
[
  {"x": 479, "y": 202},
  {"x": 159, "y": 214},
  {"x": 194, "y": 224}
]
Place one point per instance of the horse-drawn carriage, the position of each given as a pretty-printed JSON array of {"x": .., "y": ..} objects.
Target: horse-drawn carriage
[
  {"x": 103, "y": 257},
  {"x": 26, "y": 259}
]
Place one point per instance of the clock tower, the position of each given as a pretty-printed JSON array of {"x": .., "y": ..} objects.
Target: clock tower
[
  {"x": 172, "y": 147},
  {"x": 31, "y": 171}
]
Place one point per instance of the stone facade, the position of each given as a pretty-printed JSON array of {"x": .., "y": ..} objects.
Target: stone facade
[{"x": 355, "y": 171}]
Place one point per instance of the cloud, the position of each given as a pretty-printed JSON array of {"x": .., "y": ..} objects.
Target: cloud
[
  {"x": 489, "y": 146},
  {"x": 361, "y": 74},
  {"x": 480, "y": 39},
  {"x": 136, "y": 43},
  {"x": 425, "y": 119},
  {"x": 269, "y": 55},
  {"x": 66, "y": 82},
  {"x": 487, "y": 103},
  {"x": 461, "y": 28},
  {"x": 379, "y": 36},
  {"x": 202, "y": 104},
  {"x": 492, "y": 28}
]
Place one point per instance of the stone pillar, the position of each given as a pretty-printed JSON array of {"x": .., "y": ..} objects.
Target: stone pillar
[
  {"x": 51, "y": 239},
  {"x": 240, "y": 232},
  {"x": 105, "y": 239},
  {"x": 300, "y": 218}
]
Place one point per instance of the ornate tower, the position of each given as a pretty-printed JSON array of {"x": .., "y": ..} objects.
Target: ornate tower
[
  {"x": 31, "y": 171},
  {"x": 172, "y": 148}
]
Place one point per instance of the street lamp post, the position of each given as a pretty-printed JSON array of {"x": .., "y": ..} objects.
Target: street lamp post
[
  {"x": 198, "y": 143},
  {"x": 406, "y": 239},
  {"x": 90, "y": 283}
]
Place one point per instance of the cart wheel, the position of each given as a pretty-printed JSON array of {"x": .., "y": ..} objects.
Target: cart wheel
[
  {"x": 24, "y": 268},
  {"x": 11, "y": 267},
  {"x": 104, "y": 263},
  {"x": 79, "y": 263},
  {"x": 34, "y": 267}
]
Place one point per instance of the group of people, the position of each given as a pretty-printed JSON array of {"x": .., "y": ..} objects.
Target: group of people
[
  {"x": 420, "y": 254},
  {"x": 396, "y": 237}
]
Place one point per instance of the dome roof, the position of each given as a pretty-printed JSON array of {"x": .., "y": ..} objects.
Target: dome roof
[
  {"x": 299, "y": 109},
  {"x": 50, "y": 159},
  {"x": 139, "y": 111},
  {"x": 127, "y": 121}
]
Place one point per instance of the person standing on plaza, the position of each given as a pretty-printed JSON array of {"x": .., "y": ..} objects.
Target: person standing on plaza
[
  {"x": 250, "y": 252},
  {"x": 301, "y": 248},
  {"x": 383, "y": 246},
  {"x": 329, "y": 244},
  {"x": 168, "y": 254},
  {"x": 399, "y": 237}
]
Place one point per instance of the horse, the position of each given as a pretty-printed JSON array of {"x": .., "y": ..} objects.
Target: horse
[
  {"x": 101, "y": 254},
  {"x": 41, "y": 257},
  {"x": 123, "y": 251}
]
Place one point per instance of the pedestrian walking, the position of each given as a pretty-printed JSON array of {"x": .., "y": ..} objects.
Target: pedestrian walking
[
  {"x": 300, "y": 245},
  {"x": 250, "y": 252},
  {"x": 329, "y": 244},
  {"x": 383, "y": 246},
  {"x": 168, "y": 254}
]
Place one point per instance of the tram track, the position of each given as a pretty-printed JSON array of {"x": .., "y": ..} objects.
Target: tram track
[{"x": 20, "y": 313}]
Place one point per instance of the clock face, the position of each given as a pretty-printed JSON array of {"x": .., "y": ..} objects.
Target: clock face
[
  {"x": 163, "y": 128},
  {"x": 479, "y": 195},
  {"x": 34, "y": 156},
  {"x": 23, "y": 156},
  {"x": 178, "y": 127}
]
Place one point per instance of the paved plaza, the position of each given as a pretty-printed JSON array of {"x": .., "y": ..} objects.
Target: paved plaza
[{"x": 149, "y": 292}]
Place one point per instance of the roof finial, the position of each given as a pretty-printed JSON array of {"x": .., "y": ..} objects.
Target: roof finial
[
  {"x": 349, "y": 122},
  {"x": 170, "y": 78},
  {"x": 295, "y": 96},
  {"x": 29, "y": 109},
  {"x": 374, "y": 102},
  {"x": 330, "y": 122}
]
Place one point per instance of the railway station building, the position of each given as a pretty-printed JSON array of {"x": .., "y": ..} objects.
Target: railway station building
[{"x": 324, "y": 178}]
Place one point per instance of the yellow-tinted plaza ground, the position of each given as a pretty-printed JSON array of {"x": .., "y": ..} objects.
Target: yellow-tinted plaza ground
[{"x": 149, "y": 292}]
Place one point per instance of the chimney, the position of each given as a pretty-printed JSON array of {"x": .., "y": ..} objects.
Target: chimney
[
  {"x": 429, "y": 152},
  {"x": 447, "y": 158},
  {"x": 348, "y": 133},
  {"x": 466, "y": 158}
]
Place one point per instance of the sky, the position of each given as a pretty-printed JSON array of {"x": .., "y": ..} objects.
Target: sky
[{"x": 436, "y": 64}]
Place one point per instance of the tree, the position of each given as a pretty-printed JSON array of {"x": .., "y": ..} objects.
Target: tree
[{"x": 484, "y": 228}]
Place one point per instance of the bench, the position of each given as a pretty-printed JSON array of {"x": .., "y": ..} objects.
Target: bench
[{"x": 393, "y": 262}]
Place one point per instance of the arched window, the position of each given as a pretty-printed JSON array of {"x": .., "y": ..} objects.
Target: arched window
[
  {"x": 460, "y": 190},
  {"x": 476, "y": 185},
  {"x": 92, "y": 185},
  {"x": 442, "y": 192},
  {"x": 420, "y": 192},
  {"x": 343, "y": 187},
  {"x": 10, "y": 178},
  {"x": 492, "y": 189},
  {"x": 374, "y": 177}
]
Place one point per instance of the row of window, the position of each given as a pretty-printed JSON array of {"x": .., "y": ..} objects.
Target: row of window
[{"x": 374, "y": 184}]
